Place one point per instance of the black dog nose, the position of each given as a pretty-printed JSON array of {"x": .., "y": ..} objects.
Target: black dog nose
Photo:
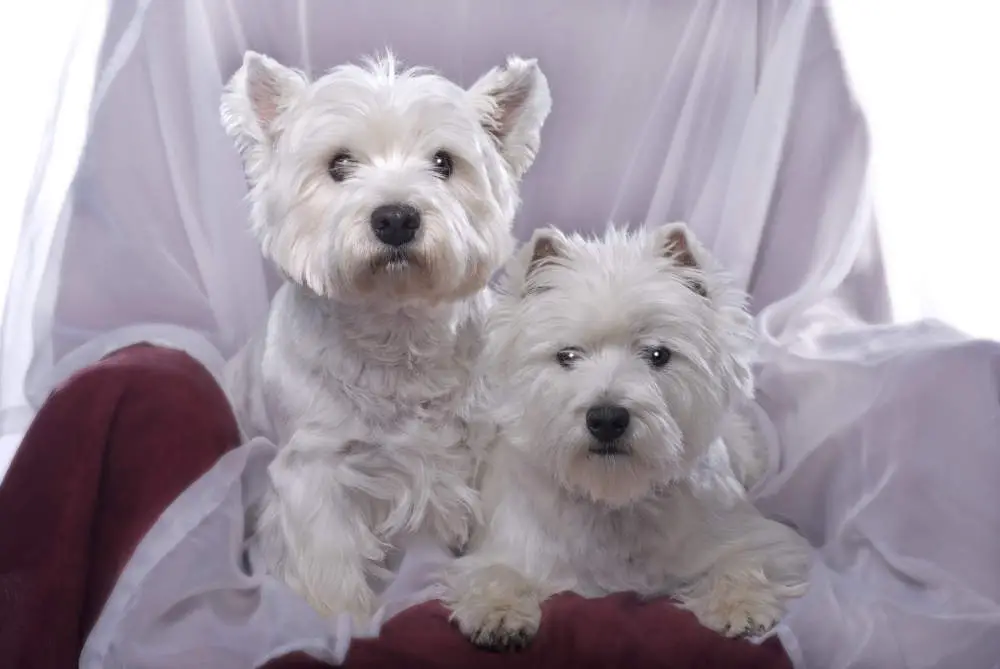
[
  {"x": 607, "y": 423},
  {"x": 395, "y": 224}
]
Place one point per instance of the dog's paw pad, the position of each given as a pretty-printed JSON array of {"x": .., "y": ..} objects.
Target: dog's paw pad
[
  {"x": 502, "y": 629},
  {"x": 501, "y": 641},
  {"x": 737, "y": 611},
  {"x": 745, "y": 620},
  {"x": 749, "y": 628}
]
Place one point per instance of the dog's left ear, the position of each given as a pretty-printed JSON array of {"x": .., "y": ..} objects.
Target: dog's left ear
[
  {"x": 514, "y": 101},
  {"x": 676, "y": 242},
  {"x": 255, "y": 98},
  {"x": 545, "y": 246}
]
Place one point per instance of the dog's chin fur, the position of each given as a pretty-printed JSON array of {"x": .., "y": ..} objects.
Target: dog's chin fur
[
  {"x": 616, "y": 480},
  {"x": 394, "y": 276},
  {"x": 363, "y": 375},
  {"x": 660, "y": 510},
  {"x": 615, "y": 475}
]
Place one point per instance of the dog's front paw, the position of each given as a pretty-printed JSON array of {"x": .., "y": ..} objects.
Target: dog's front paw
[
  {"x": 496, "y": 608},
  {"x": 745, "y": 605},
  {"x": 498, "y": 625}
]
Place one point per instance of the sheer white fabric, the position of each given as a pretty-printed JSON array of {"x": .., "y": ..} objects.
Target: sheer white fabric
[
  {"x": 190, "y": 598},
  {"x": 733, "y": 116},
  {"x": 78, "y": 33}
]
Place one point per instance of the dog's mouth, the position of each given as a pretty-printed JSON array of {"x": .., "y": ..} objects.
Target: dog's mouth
[
  {"x": 610, "y": 449},
  {"x": 393, "y": 260}
]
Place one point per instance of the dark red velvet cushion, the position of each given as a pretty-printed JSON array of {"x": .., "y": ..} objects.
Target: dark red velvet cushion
[{"x": 115, "y": 445}]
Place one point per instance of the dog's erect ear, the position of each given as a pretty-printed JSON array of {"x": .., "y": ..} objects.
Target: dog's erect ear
[
  {"x": 676, "y": 242},
  {"x": 256, "y": 96},
  {"x": 514, "y": 101},
  {"x": 546, "y": 245}
]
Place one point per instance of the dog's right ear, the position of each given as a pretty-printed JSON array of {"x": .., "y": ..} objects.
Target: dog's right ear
[
  {"x": 255, "y": 98},
  {"x": 514, "y": 102},
  {"x": 675, "y": 241},
  {"x": 546, "y": 246}
]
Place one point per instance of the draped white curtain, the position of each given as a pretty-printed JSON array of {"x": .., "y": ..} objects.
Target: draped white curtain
[
  {"x": 158, "y": 196},
  {"x": 49, "y": 49},
  {"x": 734, "y": 116}
]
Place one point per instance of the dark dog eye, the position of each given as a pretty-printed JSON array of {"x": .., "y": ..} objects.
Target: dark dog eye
[
  {"x": 568, "y": 357},
  {"x": 657, "y": 356},
  {"x": 443, "y": 164},
  {"x": 341, "y": 166}
]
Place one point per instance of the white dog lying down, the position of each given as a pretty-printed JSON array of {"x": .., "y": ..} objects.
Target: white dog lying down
[
  {"x": 618, "y": 364},
  {"x": 386, "y": 199}
]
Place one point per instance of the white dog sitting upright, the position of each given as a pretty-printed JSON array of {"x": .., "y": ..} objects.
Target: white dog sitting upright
[
  {"x": 385, "y": 198},
  {"x": 618, "y": 364}
]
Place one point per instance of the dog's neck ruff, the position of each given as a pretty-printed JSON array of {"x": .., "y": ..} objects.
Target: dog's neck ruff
[{"x": 391, "y": 333}]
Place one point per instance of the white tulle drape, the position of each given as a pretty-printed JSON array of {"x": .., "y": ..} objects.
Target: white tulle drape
[
  {"x": 733, "y": 116},
  {"x": 46, "y": 121},
  {"x": 665, "y": 111}
]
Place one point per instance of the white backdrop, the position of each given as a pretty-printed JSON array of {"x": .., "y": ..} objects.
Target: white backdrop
[{"x": 927, "y": 73}]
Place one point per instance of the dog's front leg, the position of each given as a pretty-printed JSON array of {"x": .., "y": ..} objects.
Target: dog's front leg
[
  {"x": 313, "y": 532},
  {"x": 496, "y": 592},
  {"x": 753, "y": 566},
  {"x": 495, "y": 605}
]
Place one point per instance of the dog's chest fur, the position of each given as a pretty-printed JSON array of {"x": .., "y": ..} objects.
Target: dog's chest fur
[
  {"x": 363, "y": 374},
  {"x": 389, "y": 369},
  {"x": 596, "y": 548},
  {"x": 614, "y": 550}
]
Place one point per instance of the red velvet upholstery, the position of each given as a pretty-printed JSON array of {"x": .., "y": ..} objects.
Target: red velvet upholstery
[{"x": 116, "y": 443}]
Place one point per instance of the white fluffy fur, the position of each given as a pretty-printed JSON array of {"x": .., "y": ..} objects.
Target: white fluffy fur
[
  {"x": 666, "y": 516},
  {"x": 362, "y": 376}
]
